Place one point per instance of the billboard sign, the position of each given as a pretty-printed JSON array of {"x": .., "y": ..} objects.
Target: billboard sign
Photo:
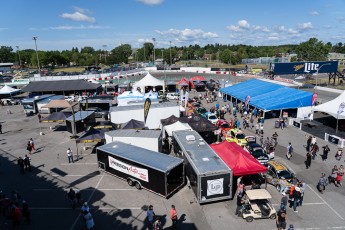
[
  {"x": 304, "y": 67},
  {"x": 131, "y": 170}
]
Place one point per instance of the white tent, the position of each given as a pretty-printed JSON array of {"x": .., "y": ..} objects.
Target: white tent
[
  {"x": 148, "y": 80},
  {"x": 129, "y": 96},
  {"x": 8, "y": 90},
  {"x": 176, "y": 127},
  {"x": 332, "y": 107}
]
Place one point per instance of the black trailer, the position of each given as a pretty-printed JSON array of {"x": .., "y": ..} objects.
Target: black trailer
[
  {"x": 208, "y": 176},
  {"x": 142, "y": 168}
]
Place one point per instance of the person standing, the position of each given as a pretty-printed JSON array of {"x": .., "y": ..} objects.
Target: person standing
[
  {"x": 158, "y": 224},
  {"x": 321, "y": 186},
  {"x": 20, "y": 162},
  {"x": 314, "y": 150},
  {"x": 283, "y": 202},
  {"x": 334, "y": 175},
  {"x": 173, "y": 217},
  {"x": 281, "y": 219},
  {"x": 150, "y": 214},
  {"x": 340, "y": 174},
  {"x": 71, "y": 196},
  {"x": 85, "y": 207},
  {"x": 70, "y": 155},
  {"x": 308, "y": 160},
  {"x": 325, "y": 152},
  {"x": 27, "y": 164},
  {"x": 28, "y": 147},
  {"x": 308, "y": 144},
  {"x": 89, "y": 223},
  {"x": 296, "y": 196},
  {"x": 289, "y": 150},
  {"x": 32, "y": 144},
  {"x": 339, "y": 154},
  {"x": 239, "y": 203},
  {"x": 26, "y": 212},
  {"x": 302, "y": 186}
]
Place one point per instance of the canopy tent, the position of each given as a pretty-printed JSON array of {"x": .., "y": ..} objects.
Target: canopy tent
[
  {"x": 8, "y": 90},
  {"x": 199, "y": 83},
  {"x": 183, "y": 82},
  {"x": 269, "y": 96},
  {"x": 176, "y": 127},
  {"x": 57, "y": 104},
  {"x": 133, "y": 124},
  {"x": 170, "y": 120},
  {"x": 198, "y": 123},
  {"x": 148, "y": 80},
  {"x": 240, "y": 161},
  {"x": 104, "y": 125},
  {"x": 57, "y": 117},
  {"x": 198, "y": 78},
  {"x": 92, "y": 135},
  {"x": 332, "y": 107}
]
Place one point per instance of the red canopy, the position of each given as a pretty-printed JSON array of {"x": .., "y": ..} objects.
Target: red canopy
[
  {"x": 183, "y": 82},
  {"x": 198, "y": 78},
  {"x": 240, "y": 161}
]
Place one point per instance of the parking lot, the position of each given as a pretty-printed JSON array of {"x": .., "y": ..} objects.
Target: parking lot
[{"x": 115, "y": 205}]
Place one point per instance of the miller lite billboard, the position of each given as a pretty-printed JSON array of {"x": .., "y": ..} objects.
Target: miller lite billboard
[{"x": 304, "y": 67}]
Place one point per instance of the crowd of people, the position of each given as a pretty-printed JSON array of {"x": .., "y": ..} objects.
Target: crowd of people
[{"x": 154, "y": 222}]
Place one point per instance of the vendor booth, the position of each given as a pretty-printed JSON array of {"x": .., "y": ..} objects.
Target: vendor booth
[
  {"x": 82, "y": 120},
  {"x": 57, "y": 117},
  {"x": 148, "y": 83}
]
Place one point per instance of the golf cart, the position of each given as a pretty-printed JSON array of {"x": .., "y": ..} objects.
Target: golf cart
[{"x": 258, "y": 206}]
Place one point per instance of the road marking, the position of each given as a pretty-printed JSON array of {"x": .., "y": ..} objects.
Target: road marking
[
  {"x": 326, "y": 203},
  {"x": 88, "y": 200},
  {"x": 79, "y": 164},
  {"x": 320, "y": 203}
]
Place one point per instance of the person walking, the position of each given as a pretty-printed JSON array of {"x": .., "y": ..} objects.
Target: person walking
[
  {"x": 283, "y": 201},
  {"x": 281, "y": 219},
  {"x": 334, "y": 175},
  {"x": 325, "y": 152},
  {"x": 71, "y": 196},
  {"x": 89, "y": 223},
  {"x": 308, "y": 143},
  {"x": 84, "y": 208},
  {"x": 339, "y": 154},
  {"x": 29, "y": 147},
  {"x": 70, "y": 155},
  {"x": 323, "y": 182},
  {"x": 150, "y": 214},
  {"x": 340, "y": 174},
  {"x": 302, "y": 186},
  {"x": 289, "y": 150},
  {"x": 314, "y": 150},
  {"x": 32, "y": 144},
  {"x": 308, "y": 160},
  {"x": 173, "y": 217}
]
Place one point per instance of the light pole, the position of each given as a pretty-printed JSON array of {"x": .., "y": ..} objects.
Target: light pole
[
  {"x": 170, "y": 53},
  {"x": 20, "y": 62},
  {"x": 38, "y": 60},
  {"x": 154, "y": 53},
  {"x": 317, "y": 72}
]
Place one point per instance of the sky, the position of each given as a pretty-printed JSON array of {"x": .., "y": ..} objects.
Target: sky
[{"x": 106, "y": 24}]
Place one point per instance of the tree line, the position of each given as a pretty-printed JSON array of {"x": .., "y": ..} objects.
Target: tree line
[{"x": 311, "y": 50}]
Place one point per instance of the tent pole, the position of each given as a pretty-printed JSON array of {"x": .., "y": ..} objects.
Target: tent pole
[
  {"x": 281, "y": 113},
  {"x": 336, "y": 130}
]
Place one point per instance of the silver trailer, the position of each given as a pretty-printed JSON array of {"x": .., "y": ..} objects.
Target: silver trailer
[{"x": 208, "y": 176}]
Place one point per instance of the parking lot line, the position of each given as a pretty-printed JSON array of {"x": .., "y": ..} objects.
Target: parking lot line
[
  {"x": 326, "y": 203},
  {"x": 79, "y": 164}
]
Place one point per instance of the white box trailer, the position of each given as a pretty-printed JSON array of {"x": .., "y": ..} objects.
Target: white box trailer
[
  {"x": 147, "y": 139},
  {"x": 159, "y": 173},
  {"x": 122, "y": 114},
  {"x": 208, "y": 176}
]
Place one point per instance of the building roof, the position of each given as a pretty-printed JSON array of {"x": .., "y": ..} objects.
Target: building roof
[
  {"x": 80, "y": 115},
  {"x": 57, "y": 104},
  {"x": 62, "y": 85},
  {"x": 200, "y": 154},
  {"x": 134, "y": 133},
  {"x": 156, "y": 160}
]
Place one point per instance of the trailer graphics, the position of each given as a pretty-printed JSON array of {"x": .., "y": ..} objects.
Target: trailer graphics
[
  {"x": 131, "y": 170},
  {"x": 215, "y": 187}
]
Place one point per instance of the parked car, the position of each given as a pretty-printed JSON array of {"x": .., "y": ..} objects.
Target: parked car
[
  {"x": 257, "y": 152},
  {"x": 99, "y": 113},
  {"x": 223, "y": 125},
  {"x": 211, "y": 117},
  {"x": 8, "y": 101},
  {"x": 69, "y": 98},
  {"x": 278, "y": 171},
  {"x": 172, "y": 96},
  {"x": 201, "y": 111},
  {"x": 236, "y": 135}
]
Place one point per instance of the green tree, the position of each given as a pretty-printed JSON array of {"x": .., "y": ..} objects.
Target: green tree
[
  {"x": 313, "y": 50},
  {"x": 6, "y": 54}
]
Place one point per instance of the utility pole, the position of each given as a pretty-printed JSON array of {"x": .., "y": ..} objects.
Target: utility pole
[
  {"x": 38, "y": 60},
  {"x": 154, "y": 53}
]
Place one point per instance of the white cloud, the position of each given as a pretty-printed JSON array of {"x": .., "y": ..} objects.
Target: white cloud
[
  {"x": 292, "y": 31},
  {"x": 314, "y": 13},
  {"x": 151, "y": 2},
  {"x": 188, "y": 34},
  {"x": 234, "y": 28},
  {"x": 256, "y": 27},
  {"x": 243, "y": 24},
  {"x": 79, "y": 15},
  {"x": 265, "y": 29},
  {"x": 81, "y": 27},
  {"x": 273, "y": 38},
  {"x": 305, "y": 26},
  {"x": 281, "y": 28}
]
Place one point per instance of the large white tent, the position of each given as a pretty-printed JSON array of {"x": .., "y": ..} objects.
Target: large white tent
[
  {"x": 175, "y": 127},
  {"x": 148, "y": 80},
  {"x": 8, "y": 90},
  {"x": 332, "y": 107}
]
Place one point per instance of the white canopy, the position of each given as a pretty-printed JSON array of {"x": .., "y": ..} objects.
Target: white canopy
[
  {"x": 176, "y": 127},
  {"x": 148, "y": 80},
  {"x": 332, "y": 107},
  {"x": 8, "y": 90}
]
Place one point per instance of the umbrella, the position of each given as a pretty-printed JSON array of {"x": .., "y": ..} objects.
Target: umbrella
[{"x": 133, "y": 124}]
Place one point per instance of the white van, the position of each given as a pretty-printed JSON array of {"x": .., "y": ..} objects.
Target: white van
[{"x": 172, "y": 96}]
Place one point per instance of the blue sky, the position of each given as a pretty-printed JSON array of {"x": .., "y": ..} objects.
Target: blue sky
[{"x": 63, "y": 24}]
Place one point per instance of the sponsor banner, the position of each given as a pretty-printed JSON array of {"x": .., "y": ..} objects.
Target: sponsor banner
[
  {"x": 333, "y": 139},
  {"x": 215, "y": 187},
  {"x": 147, "y": 106},
  {"x": 304, "y": 67},
  {"x": 131, "y": 170}
]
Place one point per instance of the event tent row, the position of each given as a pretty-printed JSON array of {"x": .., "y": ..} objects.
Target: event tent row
[{"x": 269, "y": 96}]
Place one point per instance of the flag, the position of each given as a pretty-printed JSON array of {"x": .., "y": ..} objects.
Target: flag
[
  {"x": 146, "y": 108},
  {"x": 341, "y": 108}
]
